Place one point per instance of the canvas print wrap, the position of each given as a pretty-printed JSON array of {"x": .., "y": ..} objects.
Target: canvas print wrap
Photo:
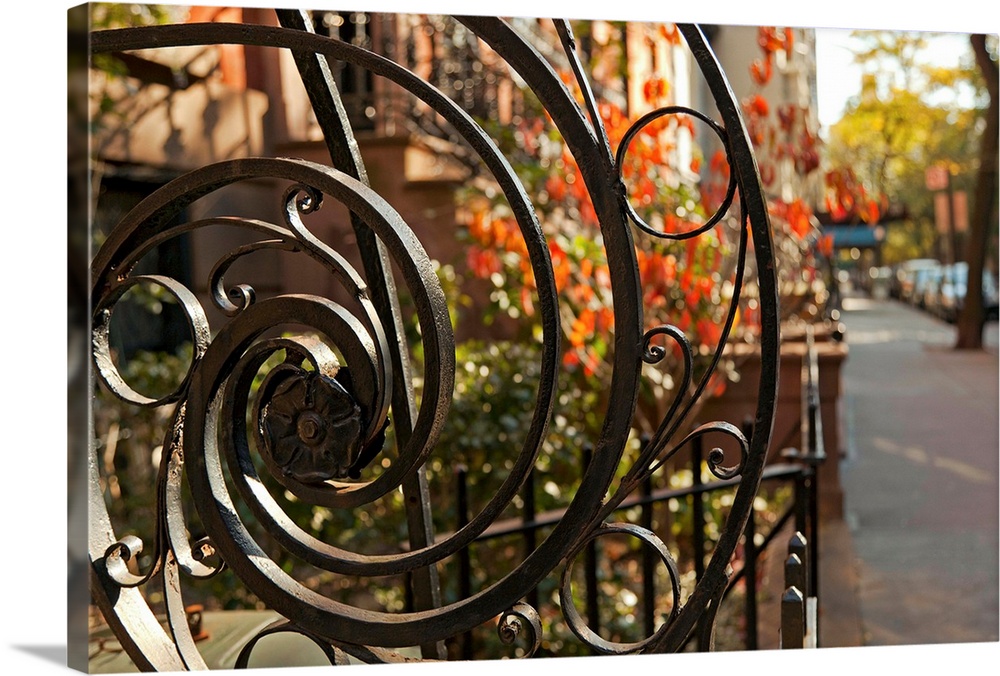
[{"x": 418, "y": 337}]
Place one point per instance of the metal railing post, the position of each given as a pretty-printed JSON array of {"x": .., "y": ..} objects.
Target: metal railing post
[
  {"x": 795, "y": 572},
  {"x": 801, "y": 578},
  {"x": 799, "y": 546},
  {"x": 792, "y": 619},
  {"x": 815, "y": 456},
  {"x": 750, "y": 562},
  {"x": 806, "y": 505},
  {"x": 750, "y": 581},
  {"x": 648, "y": 562},
  {"x": 796, "y": 629},
  {"x": 590, "y": 565},
  {"x": 698, "y": 507},
  {"x": 801, "y": 501},
  {"x": 528, "y": 519},
  {"x": 464, "y": 561},
  {"x": 814, "y": 535}
]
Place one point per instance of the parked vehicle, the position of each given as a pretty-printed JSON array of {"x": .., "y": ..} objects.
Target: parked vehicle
[
  {"x": 879, "y": 282},
  {"x": 906, "y": 274},
  {"x": 953, "y": 289},
  {"x": 924, "y": 278},
  {"x": 991, "y": 299},
  {"x": 928, "y": 288}
]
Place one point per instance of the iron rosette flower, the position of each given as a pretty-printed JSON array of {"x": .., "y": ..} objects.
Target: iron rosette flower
[{"x": 310, "y": 425}]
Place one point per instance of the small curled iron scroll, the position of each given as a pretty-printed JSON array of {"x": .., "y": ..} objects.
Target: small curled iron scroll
[{"x": 521, "y": 617}]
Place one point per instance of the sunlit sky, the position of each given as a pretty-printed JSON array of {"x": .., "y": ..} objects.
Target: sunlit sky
[{"x": 838, "y": 78}]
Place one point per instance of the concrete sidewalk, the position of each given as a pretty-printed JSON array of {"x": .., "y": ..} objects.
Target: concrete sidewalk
[{"x": 920, "y": 478}]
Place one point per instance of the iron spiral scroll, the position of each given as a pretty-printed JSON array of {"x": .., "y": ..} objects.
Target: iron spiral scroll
[{"x": 320, "y": 417}]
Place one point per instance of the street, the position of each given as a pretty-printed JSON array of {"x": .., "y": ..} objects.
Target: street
[{"x": 920, "y": 475}]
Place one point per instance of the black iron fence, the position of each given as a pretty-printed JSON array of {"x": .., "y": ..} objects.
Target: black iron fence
[
  {"x": 318, "y": 423},
  {"x": 797, "y": 469}
]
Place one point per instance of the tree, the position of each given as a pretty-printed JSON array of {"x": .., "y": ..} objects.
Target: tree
[
  {"x": 971, "y": 320},
  {"x": 908, "y": 116}
]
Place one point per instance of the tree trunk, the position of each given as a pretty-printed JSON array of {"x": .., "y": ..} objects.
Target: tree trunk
[{"x": 972, "y": 317}]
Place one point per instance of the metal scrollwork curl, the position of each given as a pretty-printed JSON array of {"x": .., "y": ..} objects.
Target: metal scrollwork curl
[
  {"x": 336, "y": 657},
  {"x": 716, "y": 456},
  {"x": 653, "y": 354},
  {"x": 637, "y": 127},
  {"x": 521, "y": 618},
  {"x": 239, "y": 297},
  {"x": 579, "y": 625},
  {"x": 107, "y": 370}
]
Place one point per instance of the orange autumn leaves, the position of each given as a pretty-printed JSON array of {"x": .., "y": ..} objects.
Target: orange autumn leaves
[
  {"x": 686, "y": 295},
  {"x": 676, "y": 289},
  {"x": 847, "y": 199},
  {"x": 498, "y": 252},
  {"x": 677, "y": 282},
  {"x": 797, "y": 214},
  {"x": 787, "y": 137},
  {"x": 771, "y": 40}
]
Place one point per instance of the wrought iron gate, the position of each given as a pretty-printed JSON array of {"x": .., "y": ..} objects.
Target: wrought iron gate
[{"x": 337, "y": 414}]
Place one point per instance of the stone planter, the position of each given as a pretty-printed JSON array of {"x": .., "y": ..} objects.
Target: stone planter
[{"x": 739, "y": 401}]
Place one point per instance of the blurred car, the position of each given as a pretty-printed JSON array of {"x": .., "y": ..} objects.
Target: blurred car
[
  {"x": 906, "y": 278},
  {"x": 895, "y": 281},
  {"x": 880, "y": 280},
  {"x": 953, "y": 289},
  {"x": 923, "y": 277},
  {"x": 928, "y": 288}
]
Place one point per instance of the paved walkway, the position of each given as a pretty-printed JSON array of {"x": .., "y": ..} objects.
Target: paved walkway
[{"x": 920, "y": 477}]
